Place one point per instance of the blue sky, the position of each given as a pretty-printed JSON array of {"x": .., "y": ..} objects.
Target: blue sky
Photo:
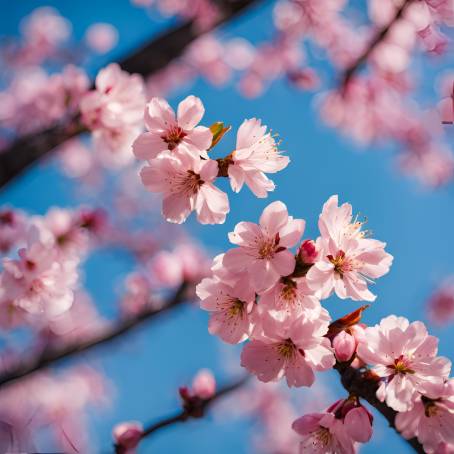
[{"x": 418, "y": 225}]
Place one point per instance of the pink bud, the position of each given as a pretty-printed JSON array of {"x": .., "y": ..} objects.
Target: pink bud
[
  {"x": 204, "y": 384},
  {"x": 127, "y": 435},
  {"x": 308, "y": 251},
  {"x": 344, "y": 346}
]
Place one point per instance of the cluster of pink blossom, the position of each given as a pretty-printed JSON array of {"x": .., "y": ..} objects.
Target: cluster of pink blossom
[
  {"x": 35, "y": 100},
  {"x": 266, "y": 294},
  {"x": 376, "y": 107},
  {"x": 39, "y": 284},
  {"x": 204, "y": 13},
  {"x": 179, "y": 167},
  {"x": 46, "y": 36},
  {"x": 52, "y": 407},
  {"x": 114, "y": 111}
]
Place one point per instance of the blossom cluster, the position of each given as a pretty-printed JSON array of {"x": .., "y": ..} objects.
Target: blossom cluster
[
  {"x": 177, "y": 148},
  {"x": 263, "y": 293},
  {"x": 40, "y": 282}
]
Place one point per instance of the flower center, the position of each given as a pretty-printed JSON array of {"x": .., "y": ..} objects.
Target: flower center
[
  {"x": 173, "y": 137},
  {"x": 342, "y": 264},
  {"x": 269, "y": 246},
  {"x": 237, "y": 308},
  {"x": 430, "y": 406},
  {"x": 286, "y": 349},
  {"x": 401, "y": 366},
  {"x": 192, "y": 182},
  {"x": 323, "y": 436}
]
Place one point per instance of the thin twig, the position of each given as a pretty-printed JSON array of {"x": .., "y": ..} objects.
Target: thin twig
[
  {"x": 196, "y": 408},
  {"x": 376, "y": 40},
  {"x": 53, "y": 356},
  {"x": 147, "y": 60}
]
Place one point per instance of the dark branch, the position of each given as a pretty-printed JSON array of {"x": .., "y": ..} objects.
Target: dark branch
[
  {"x": 149, "y": 59},
  {"x": 53, "y": 356},
  {"x": 196, "y": 408},
  {"x": 376, "y": 40},
  {"x": 365, "y": 386}
]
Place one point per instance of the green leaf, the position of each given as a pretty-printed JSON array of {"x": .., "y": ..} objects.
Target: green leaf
[{"x": 218, "y": 130}]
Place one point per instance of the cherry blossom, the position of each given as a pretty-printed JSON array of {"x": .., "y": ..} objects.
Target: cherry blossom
[
  {"x": 335, "y": 431},
  {"x": 186, "y": 183},
  {"x": 230, "y": 308},
  {"x": 291, "y": 348},
  {"x": 38, "y": 282},
  {"x": 174, "y": 134},
  {"x": 113, "y": 111},
  {"x": 263, "y": 249},
  {"x": 431, "y": 419},
  {"x": 403, "y": 355},
  {"x": 256, "y": 154},
  {"x": 348, "y": 261},
  {"x": 101, "y": 37}
]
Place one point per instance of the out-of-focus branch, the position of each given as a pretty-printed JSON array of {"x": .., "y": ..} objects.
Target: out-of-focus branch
[
  {"x": 376, "y": 40},
  {"x": 363, "y": 385},
  {"x": 147, "y": 60},
  {"x": 53, "y": 356},
  {"x": 194, "y": 409}
]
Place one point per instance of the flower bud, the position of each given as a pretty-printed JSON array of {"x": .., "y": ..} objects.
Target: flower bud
[
  {"x": 204, "y": 384},
  {"x": 127, "y": 435},
  {"x": 308, "y": 252},
  {"x": 344, "y": 345}
]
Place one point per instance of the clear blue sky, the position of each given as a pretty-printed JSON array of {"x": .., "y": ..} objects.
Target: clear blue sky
[{"x": 417, "y": 224}]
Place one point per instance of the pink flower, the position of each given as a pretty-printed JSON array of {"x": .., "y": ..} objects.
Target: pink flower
[
  {"x": 204, "y": 384},
  {"x": 39, "y": 282},
  {"x": 114, "y": 111},
  {"x": 441, "y": 303},
  {"x": 101, "y": 37},
  {"x": 335, "y": 431},
  {"x": 69, "y": 237},
  {"x": 175, "y": 134},
  {"x": 289, "y": 297},
  {"x": 404, "y": 356},
  {"x": 256, "y": 154},
  {"x": 262, "y": 250},
  {"x": 127, "y": 436},
  {"x": 230, "y": 307},
  {"x": 166, "y": 269},
  {"x": 187, "y": 262},
  {"x": 431, "y": 419},
  {"x": 186, "y": 182},
  {"x": 293, "y": 348},
  {"x": 347, "y": 260}
]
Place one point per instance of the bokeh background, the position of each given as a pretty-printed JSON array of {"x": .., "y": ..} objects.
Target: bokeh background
[{"x": 147, "y": 367}]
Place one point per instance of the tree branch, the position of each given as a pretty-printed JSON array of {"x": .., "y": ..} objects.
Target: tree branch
[
  {"x": 376, "y": 40},
  {"x": 196, "y": 408},
  {"x": 56, "y": 355},
  {"x": 147, "y": 60},
  {"x": 365, "y": 386}
]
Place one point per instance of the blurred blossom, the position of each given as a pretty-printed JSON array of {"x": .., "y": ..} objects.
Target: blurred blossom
[
  {"x": 101, "y": 37},
  {"x": 440, "y": 305}
]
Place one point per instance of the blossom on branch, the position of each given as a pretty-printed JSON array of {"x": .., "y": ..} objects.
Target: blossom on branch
[
  {"x": 403, "y": 355},
  {"x": 173, "y": 133}
]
